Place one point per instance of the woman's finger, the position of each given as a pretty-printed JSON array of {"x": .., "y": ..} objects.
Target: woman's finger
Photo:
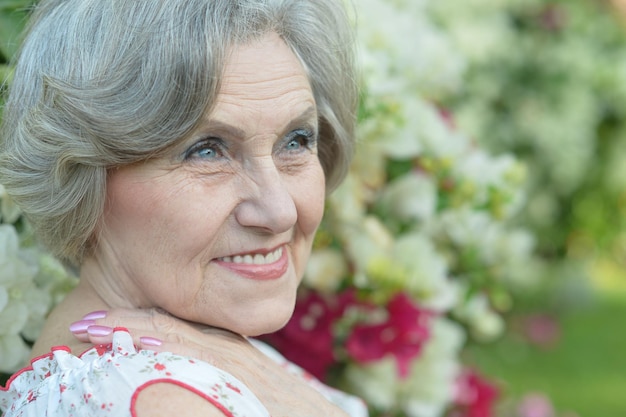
[
  {"x": 155, "y": 330},
  {"x": 103, "y": 335},
  {"x": 147, "y": 321}
]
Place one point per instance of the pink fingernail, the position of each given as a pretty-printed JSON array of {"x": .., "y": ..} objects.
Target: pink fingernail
[
  {"x": 81, "y": 326},
  {"x": 94, "y": 315},
  {"x": 150, "y": 341},
  {"x": 96, "y": 330}
]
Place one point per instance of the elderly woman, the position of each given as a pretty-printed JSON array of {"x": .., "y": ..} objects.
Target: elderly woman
[{"x": 177, "y": 153}]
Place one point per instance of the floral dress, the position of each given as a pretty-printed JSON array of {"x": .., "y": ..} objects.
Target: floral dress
[{"x": 106, "y": 381}]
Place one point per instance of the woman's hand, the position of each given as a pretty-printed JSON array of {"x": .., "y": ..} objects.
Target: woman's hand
[
  {"x": 282, "y": 393},
  {"x": 153, "y": 329}
]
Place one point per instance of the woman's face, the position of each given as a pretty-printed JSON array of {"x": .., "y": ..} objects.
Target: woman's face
[{"x": 219, "y": 231}]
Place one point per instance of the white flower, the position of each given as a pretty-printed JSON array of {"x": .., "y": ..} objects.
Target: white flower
[
  {"x": 416, "y": 49},
  {"x": 431, "y": 383},
  {"x": 376, "y": 382},
  {"x": 485, "y": 169},
  {"x": 513, "y": 251},
  {"x": 14, "y": 353},
  {"x": 348, "y": 201},
  {"x": 366, "y": 240},
  {"x": 426, "y": 271},
  {"x": 478, "y": 28},
  {"x": 390, "y": 135},
  {"x": 13, "y": 267},
  {"x": 13, "y": 317},
  {"x": 54, "y": 278},
  {"x": 23, "y": 306},
  {"x": 411, "y": 197},
  {"x": 437, "y": 137},
  {"x": 368, "y": 165},
  {"x": 409, "y": 262},
  {"x": 484, "y": 323},
  {"x": 325, "y": 270},
  {"x": 504, "y": 251},
  {"x": 9, "y": 212}
]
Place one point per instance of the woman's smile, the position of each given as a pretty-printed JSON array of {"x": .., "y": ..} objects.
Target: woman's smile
[{"x": 272, "y": 265}]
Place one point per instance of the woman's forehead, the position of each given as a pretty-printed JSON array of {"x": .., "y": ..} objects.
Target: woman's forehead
[
  {"x": 263, "y": 78},
  {"x": 266, "y": 60}
]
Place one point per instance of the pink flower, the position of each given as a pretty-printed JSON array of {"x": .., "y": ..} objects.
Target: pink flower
[
  {"x": 448, "y": 117},
  {"x": 475, "y": 396},
  {"x": 535, "y": 405},
  {"x": 553, "y": 18},
  {"x": 402, "y": 335},
  {"x": 542, "y": 330},
  {"x": 307, "y": 339}
]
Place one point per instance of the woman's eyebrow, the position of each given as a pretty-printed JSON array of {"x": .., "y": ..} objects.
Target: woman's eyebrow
[
  {"x": 304, "y": 118},
  {"x": 308, "y": 116},
  {"x": 217, "y": 126}
]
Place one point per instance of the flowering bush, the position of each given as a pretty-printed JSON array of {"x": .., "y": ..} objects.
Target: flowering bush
[
  {"x": 30, "y": 282},
  {"x": 545, "y": 80},
  {"x": 416, "y": 254}
]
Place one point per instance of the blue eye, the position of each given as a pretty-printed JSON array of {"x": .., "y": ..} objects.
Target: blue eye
[
  {"x": 294, "y": 144},
  {"x": 299, "y": 139},
  {"x": 206, "y": 153},
  {"x": 210, "y": 148}
]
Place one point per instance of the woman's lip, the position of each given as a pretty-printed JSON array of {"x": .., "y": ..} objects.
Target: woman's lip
[{"x": 262, "y": 272}]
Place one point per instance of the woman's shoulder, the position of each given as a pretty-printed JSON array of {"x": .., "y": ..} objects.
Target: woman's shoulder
[
  {"x": 120, "y": 380},
  {"x": 354, "y": 406}
]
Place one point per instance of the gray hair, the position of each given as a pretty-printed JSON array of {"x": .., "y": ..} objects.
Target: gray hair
[{"x": 104, "y": 83}]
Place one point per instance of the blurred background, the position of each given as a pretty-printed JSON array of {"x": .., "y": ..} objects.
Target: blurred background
[
  {"x": 488, "y": 191},
  {"x": 554, "y": 96}
]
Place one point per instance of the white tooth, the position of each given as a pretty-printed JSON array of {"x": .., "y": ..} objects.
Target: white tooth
[{"x": 257, "y": 259}]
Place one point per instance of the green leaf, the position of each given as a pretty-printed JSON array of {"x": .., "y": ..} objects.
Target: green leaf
[
  {"x": 13, "y": 16},
  {"x": 6, "y": 73},
  {"x": 15, "y": 4}
]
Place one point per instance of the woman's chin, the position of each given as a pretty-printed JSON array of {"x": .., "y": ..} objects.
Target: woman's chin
[
  {"x": 264, "y": 328},
  {"x": 259, "y": 327}
]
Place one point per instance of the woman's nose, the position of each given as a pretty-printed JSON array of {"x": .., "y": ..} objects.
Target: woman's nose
[{"x": 268, "y": 204}]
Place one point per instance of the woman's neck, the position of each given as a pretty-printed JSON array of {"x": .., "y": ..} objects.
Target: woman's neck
[{"x": 108, "y": 284}]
